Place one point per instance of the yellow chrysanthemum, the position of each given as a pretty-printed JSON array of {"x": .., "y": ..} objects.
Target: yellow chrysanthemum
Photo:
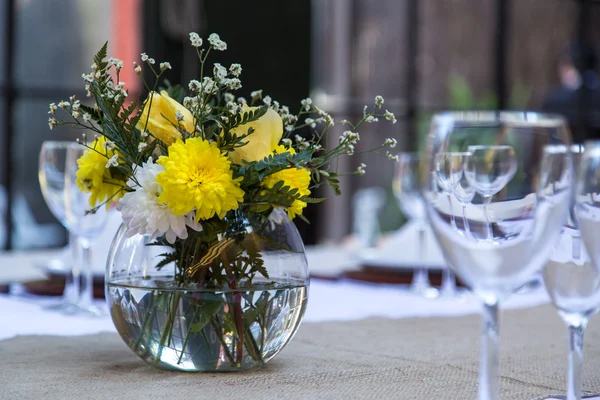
[
  {"x": 93, "y": 176},
  {"x": 197, "y": 175},
  {"x": 295, "y": 178}
]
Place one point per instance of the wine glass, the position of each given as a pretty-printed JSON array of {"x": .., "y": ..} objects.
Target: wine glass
[
  {"x": 489, "y": 169},
  {"x": 464, "y": 193},
  {"x": 51, "y": 175},
  {"x": 85, "y": 223},
  {"x": 407, "y": 189},
  {"x": 449, "y": 168},
  {"x": 572, "y": 276},
  {"x": 506, "y": 170}
]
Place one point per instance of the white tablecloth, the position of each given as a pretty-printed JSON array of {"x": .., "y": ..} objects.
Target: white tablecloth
[{"x": 328, "y": 301}]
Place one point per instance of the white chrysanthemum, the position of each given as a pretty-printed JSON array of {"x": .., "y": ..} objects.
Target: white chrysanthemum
[{"x": 143, "y": 214}]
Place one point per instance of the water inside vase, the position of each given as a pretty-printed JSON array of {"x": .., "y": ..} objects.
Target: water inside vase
[{"x": 205, "y": 330}]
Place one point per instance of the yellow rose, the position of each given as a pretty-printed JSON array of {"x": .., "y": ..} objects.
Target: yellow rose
[
  {"x": 267, "y": 133},
  {"x": 162, "y": 117}
]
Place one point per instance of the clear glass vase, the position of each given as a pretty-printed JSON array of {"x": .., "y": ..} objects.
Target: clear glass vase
[{"x": 243, "y": 304}]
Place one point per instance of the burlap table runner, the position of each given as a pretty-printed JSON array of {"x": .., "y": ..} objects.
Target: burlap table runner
[{"x": 433, "y": 358}]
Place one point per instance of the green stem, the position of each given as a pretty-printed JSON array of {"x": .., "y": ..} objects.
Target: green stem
[
  {"x": 168, "y": 329},
  {"x": 187, "y": 335},
  {"x": 219, "y": 333}
]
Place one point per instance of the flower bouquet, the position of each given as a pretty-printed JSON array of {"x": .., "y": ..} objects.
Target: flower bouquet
[{"x": 207, "y": 271}]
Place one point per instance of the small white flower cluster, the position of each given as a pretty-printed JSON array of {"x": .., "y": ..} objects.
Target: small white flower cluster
[
  {"x": 234, "y": 108},
  {"x": 287, "y": 142},
  {"x": 390, "y": 116},
  {"x": 109, "y": 145},
  {"x": 179, "y": 116},
  {"x": 117, "y": 63},
  {"x": 147, "y": 59},
  {"x": 232, "y": 83},
  {"x": 220, "y": 72},
  {"x": 256, "y": 94},
  {"x": 235, "y": 69},
  {"x": 390, "y": 142},
  {"x": 301, "y": 143},
  {"x": 137, "y": 68},
  {"x": 267, "y": 100},
  {"x": 361, "y": 170},
  {"x": 306, "y": 103},
  {"x": 195, "y": 39},
  {"x": 348, "y": 140},
  {"x": 113, "y": 161},
  {"x": 379, "y": 101},
  {"x": 216, "y": 42},
  {"x": 164, "y": 66},
  {"x": 371, "y": 119},
  {"x": 392, "y": 157},
  {"x": 310, "y": 122}
]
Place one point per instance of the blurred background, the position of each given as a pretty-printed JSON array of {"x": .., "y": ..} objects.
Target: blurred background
[{"x": 422, "y": 56}]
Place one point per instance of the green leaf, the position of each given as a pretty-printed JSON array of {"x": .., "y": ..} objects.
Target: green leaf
[{"x": 206, "y": 311}]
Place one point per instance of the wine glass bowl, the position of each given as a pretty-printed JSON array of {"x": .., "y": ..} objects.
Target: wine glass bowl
[{"x": 490, "y": 168}]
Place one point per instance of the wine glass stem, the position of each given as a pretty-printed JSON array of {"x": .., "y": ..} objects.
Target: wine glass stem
[
  {"x": 466, "y": 221},
  {"x": 490, "y": 346},
  {"x": 452, "y": 219},
  {"x": 575, "y": 361},
  {"x": 486, "y": 202},
  {"x": 87, "y": 294},
  {"x": 71, "y": 291},
  {"x": 421, "y": 276}
]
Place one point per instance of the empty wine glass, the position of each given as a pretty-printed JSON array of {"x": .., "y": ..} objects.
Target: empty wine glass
[
  {"x": 83, "y": 223},
  {"x": 507, "y": 168},
  {"x": 489, "y": 170},
  {"x": 449, "y": 168},
  {"x": 464, "y": 193},
  {"x": 572, "y": 276},
  {"x": 407, "y": 189},
  {"x": 51, "y": 175}
]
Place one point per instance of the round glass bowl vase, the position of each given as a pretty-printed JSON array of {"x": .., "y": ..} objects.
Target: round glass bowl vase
[{"x": 244, "y": 304}]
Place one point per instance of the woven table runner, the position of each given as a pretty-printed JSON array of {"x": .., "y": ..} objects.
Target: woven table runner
[{"x": 433, "y": 358}]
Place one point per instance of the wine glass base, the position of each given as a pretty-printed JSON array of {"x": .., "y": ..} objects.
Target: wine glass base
[{"x": 424, "y": 291}]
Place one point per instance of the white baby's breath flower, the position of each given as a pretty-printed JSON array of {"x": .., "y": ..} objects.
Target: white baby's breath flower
[
  {"x": 349, "y": 137},
  {"x": 64, "y": 104},
  {"x": 391, "y": 142},
  {"x": 299, "y": 138},
  {"x": 235, "y": 69},
  {"x": 267, "y": 100},
  {"x": 216, "y": 42},
  {"x": 195, "y": 39},
  {"x": 151, "y": 61},
  {"x": 242, "y": 100},
  {"x": 94, "y": 66},
  {"x": 87, "y": 117},
  {"x": 209, "y": 86},
  {"x": 144, "y": 135},
  {"x": 165, "y": 66},
  {"x": 137, "y": 68},
  {"x": 116, "y": 62},
  {"x": 52, "y": 122},
  {"x": 329, "y": 120},
  {"x": 144, "y": 215},
  {"x": 289, "y": 128},
  {"x": 317, "y": 147},
  {"x": 303, "y": 145},
  {"x": 306, "y": 103},
  {"x": 232, "y": 83},
  {"x": 144, "y": 57},
  {"x": 108, "y": 144},
  {"x": 76, "y": 105},
  {"x": 392, "y": 157},
  {"x": 75, "y": 114},
  {"x": 219, "y": 71},
  {"x": 361, "y": 169},
  {"x": 379, "y": 101},
  {"x": 275, "y": 106},
  {"x": 370, "y": 119},
  {"x": 113, "y": 161},
  {"x": 194, "y": 85},
  {"x": 256, "y": 94},
  {"x": 228, "y": 97},
  {"x": 142, "y": 146},
  {"x": 350, "y": 149},
  {"x": 310, "y": 122},
  {"x": 179, "y": 116},
  {"x": 53, "y": 108},
  {"x": 291, "y": 119},
  {"x": 390, "y": 116},
  {"x": 117, "y": 97},
  {"x": 284, "y": 110},
  {"x": 287, "y": 142}
]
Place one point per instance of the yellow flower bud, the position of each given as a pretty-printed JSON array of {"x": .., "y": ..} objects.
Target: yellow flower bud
[
  {"x": 267, "y": 133},
  {"x": 163, "y": 111}
]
